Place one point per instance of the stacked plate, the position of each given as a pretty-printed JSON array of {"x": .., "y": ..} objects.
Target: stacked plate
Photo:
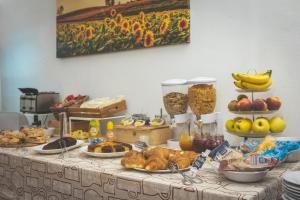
[{"x": 291, "y": 185}]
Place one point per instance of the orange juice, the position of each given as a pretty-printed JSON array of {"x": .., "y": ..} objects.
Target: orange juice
[{"x": 186, "y": 141}]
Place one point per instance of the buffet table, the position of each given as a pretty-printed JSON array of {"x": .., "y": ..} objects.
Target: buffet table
[{"x": 26, "y": 175}]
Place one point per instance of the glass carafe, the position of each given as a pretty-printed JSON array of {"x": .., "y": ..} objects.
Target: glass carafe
[{"x": 207, "y": 136}]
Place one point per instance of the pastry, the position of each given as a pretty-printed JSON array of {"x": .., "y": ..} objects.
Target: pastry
[
  {"x": 158, "y": 151},
  {"x": 37, "y": 140},
  {"x": 119, "y": 148},
  {"x": 109, "y": 147},
  {"x": 133, "y": 159},
  {"x": 60, "y": 143},
  {"x": 156, "y": 163},
  {"x": 158, "y": 158}
]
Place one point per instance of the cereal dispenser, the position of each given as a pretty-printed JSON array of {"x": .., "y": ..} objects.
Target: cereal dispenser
[
  {"x": 202, "y": 95},
  {"x": 175, "y": 96},
  {"x": 202, "y": 101},
  {"x": 175, "y": 100}
]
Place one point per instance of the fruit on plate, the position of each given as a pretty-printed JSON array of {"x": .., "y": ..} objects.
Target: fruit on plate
[
  {"x": 261, "y": 125},
  {"x": 277, "y": 124},
  {"x": 259, "y": 105},
  {"x": 243, "y": 125},
  {"x": 127, "y": 121},
  {"x": 244, "y": 105},
  {"x": 253, "y": 78},
  {"x": 251, "y": 86},
  {"x": 274, "y": 103},
  {"x": 78, "y": 135},
  {"x": 157, "y": 122},
  {"x": 253, "y": 81},
  {"x": 242, "y": 96},
  {"x": 233, "y": 105},
  {"x": 139, "y": 123},
  {"x": 230, "y": 125}
]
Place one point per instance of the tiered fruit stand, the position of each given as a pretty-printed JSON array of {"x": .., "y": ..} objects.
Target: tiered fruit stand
[{"x": 254, "y": 115}]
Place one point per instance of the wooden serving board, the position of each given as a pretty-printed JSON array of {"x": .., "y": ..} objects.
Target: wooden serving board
[{"x": 98, "y": 113}]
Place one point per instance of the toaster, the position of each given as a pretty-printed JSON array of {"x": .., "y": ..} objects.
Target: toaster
[{"x": 33, "y": 101}]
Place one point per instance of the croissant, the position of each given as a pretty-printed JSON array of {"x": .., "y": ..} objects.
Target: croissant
[
  {"x": 133, "y": 159},
  {"x": 156, "y": 163},
  {"x": 182, "y": 162},
  {"x": 158, "y": 151}
]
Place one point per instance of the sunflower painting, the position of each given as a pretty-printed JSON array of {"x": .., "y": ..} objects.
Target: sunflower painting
[{"x": 98, "y": 26}]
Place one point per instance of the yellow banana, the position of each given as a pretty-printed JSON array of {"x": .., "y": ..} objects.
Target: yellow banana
[
  {"x": 238, "y": 84},
  {"x": 255, "y": 79},
  {"x": 251, "y": 86},
  {"x": 235, "y": 76}
]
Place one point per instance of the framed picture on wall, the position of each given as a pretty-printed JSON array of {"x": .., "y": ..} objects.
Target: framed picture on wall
[{"x": 98, "y": 26}]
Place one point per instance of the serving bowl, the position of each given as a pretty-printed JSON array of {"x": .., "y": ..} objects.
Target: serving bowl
[
  {"x": 293, "y": 156},
  {"x": 245, "y": 177}
]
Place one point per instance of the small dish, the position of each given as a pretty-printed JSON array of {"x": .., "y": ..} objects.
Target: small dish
[{"x": 245, "y": 177}]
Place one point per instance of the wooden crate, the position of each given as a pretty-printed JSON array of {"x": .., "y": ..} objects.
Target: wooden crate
[
  {"x": 130, "y": 134},
  {"x": 98, "y": 113}
]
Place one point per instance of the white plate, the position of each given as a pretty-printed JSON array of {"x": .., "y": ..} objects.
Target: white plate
[
  {"x": 292, "y": 177},
  {"x": 160, "y": 171},
  {"x": 291, "y": 186},
  {"x": 245, "y": 177},
  {"x": 286, "y": 197},
  {"x": 39, "y": 149},
  {"x": 291, "y": 192},
  {"x": 84, "y": 150}
]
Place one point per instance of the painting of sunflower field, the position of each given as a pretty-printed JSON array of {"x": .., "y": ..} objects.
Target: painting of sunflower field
[{"x": 98, "y": 26}]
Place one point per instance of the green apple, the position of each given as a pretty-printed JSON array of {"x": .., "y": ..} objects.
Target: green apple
[
  {"x": 277, "y": 125},
  {"x": 243, "y": 126},
  {"x": 261, "y": 125},
  {"x": 230, "y": 125}
]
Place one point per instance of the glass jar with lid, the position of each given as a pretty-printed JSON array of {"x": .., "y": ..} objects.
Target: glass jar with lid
[
  {"x": 175, "y": 96},
  {"x": 207, "y": 136},
  {"x": 202, "y": 95},
  {"x": 181, "y": 131}
]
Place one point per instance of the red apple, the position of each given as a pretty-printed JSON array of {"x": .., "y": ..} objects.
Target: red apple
[
  {"x": 274, "y": 103},
  {"x": 244, "y": 104},
  {"x": 259, "y": 105}
]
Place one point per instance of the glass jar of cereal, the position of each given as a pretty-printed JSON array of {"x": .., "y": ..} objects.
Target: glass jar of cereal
[
  {"x": 202, "y": 95},
  {"x": 175, "y": 96}
]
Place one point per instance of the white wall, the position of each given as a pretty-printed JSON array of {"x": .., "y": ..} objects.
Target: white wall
[{"x": 227, "y": 36}]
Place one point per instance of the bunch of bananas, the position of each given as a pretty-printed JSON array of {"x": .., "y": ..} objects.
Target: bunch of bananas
[{"x": 253, "y": 81}]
